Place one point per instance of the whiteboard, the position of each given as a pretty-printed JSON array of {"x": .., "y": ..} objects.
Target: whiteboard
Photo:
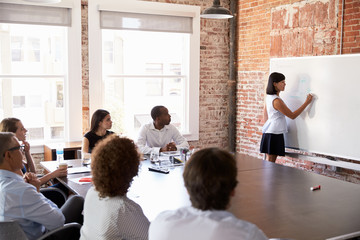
[{"x": 330, "y": 124}]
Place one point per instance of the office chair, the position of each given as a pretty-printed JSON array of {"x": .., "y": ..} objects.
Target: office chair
[
  {"x": 11, "y": 230},
  {"x": 56, "y": 195},
  {"x": 70, "y": 231}
]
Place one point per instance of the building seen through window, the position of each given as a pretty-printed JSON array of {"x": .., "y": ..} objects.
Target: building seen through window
[
  {"x": 145, "y": 69},
  {"x": 32, "y": 75}
]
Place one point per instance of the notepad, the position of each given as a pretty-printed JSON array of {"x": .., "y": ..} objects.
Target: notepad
[
  {"x": 81, "y": 180},
  {"x": 74, "y": 170},
  {"x": 85, "y": 179}
]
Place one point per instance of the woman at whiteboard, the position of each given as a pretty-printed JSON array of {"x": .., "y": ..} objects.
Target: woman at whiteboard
[{"x": 272, "y": 141}]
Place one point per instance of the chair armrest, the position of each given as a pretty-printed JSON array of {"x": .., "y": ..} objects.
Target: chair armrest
[{"x": 68, "y": 231}]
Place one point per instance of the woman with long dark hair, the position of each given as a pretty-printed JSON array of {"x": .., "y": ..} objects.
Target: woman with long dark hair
[{"x": 99, "y": 129}]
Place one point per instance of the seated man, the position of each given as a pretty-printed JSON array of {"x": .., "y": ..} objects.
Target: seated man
[
  {"x": 21, "y": 201},
  {"x": 210, "y": 189},
  {"x": 160, "y": 135}
]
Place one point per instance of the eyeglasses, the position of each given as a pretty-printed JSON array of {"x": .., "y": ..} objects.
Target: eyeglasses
[{"x": 20, "y": 147}]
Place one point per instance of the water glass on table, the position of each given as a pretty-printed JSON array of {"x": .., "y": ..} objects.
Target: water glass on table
[
  {"x": 85, "y": 158},
  {"x": 154, "y": 157},
  {"x": 184, "y": 154},
  {"x": 165, "y": 163}
]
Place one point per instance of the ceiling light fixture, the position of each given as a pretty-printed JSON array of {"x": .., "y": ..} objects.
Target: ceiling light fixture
[{"x": 216, "y": 12}]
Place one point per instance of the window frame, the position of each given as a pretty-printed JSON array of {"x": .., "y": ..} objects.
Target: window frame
[{"x": 96, "y": 85}]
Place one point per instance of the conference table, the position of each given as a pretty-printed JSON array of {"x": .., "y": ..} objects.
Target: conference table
[{"x": 276, "y": 198}]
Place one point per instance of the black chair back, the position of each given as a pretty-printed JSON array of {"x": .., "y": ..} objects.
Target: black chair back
[{"x": 70, "y": 231}]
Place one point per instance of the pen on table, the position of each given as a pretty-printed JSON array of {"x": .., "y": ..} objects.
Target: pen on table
[{"x": 315, "y": 188}]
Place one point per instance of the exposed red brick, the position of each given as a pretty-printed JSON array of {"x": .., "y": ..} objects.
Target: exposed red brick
[
  {"x": 306, "y": 39},
  {"x": 321, "y": 13},
  {"x": 306, "y": 15},
  {"x": 354, "y": 28},
  {"x": 295, "y": 18},
  {"x": 355, "y": 50},
  {"x": 276, "y": 46},
  {"x": 278, "y": 19}
]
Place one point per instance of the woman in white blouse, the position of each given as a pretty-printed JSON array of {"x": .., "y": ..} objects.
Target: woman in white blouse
[{"x": 108, "y": 213}]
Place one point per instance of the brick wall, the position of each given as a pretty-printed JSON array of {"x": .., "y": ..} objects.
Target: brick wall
[
  {"x": 304, "y": 28},
  {"x": 85, "y": 65},
  {"x": 214, "y": 74},
  {"x": 351, "y": 36},
  {"x": 269, "y": 29}
]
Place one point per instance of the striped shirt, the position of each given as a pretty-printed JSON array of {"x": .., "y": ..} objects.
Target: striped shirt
[{"x": 112, "y": 218}]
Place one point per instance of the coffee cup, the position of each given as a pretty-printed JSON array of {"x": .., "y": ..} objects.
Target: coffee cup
[{"x": 63, "y": 165}]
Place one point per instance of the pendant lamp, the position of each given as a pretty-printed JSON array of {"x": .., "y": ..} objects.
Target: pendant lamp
[{"x": 216, "y": 11}]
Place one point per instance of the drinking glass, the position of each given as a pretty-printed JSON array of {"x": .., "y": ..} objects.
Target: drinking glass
[
  {"x": 154, "y": 157},
  {"x": 85, "y": 158}
]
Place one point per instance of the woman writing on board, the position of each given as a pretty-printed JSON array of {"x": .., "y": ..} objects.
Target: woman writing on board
[{"x": 272, "y": 141}]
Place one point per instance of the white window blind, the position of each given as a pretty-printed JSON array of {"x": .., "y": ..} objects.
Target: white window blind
[
  {"x": 145, "y": 22},
  {"x": 39, "y": 15}
]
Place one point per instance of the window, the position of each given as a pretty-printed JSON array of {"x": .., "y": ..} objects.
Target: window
[
  {"x": 17, "y": 53},
  {"x": 37, "y": 70},
  {"x": 153, "y": 86},
  {"x": 24, "y": 49},
  {"x": 35, "y": 134},
  {"x": 108, "y": 52},
  {"x": 32, "y": 95},
  {"x": 57, "y": 132},
  {"x": 148, "y": 59},
  {"x": 34, "y": 49}
]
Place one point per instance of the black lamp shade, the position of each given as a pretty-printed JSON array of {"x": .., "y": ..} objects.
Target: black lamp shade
[{"x": 216, "y": 11}]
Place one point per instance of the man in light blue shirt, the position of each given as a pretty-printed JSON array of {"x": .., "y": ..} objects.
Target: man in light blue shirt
[
  {"x": 160, "y": 135},
  {"x": 20, "y": 201}
]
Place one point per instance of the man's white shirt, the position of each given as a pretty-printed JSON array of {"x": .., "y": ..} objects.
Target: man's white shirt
[
  {"x": 151, "y": 139},
  {"x": 192, "y": 224}
]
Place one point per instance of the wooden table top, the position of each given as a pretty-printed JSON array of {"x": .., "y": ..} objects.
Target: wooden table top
[
  {"x": 65, "y": 145},
  {"x": 276, "y": 198}
]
